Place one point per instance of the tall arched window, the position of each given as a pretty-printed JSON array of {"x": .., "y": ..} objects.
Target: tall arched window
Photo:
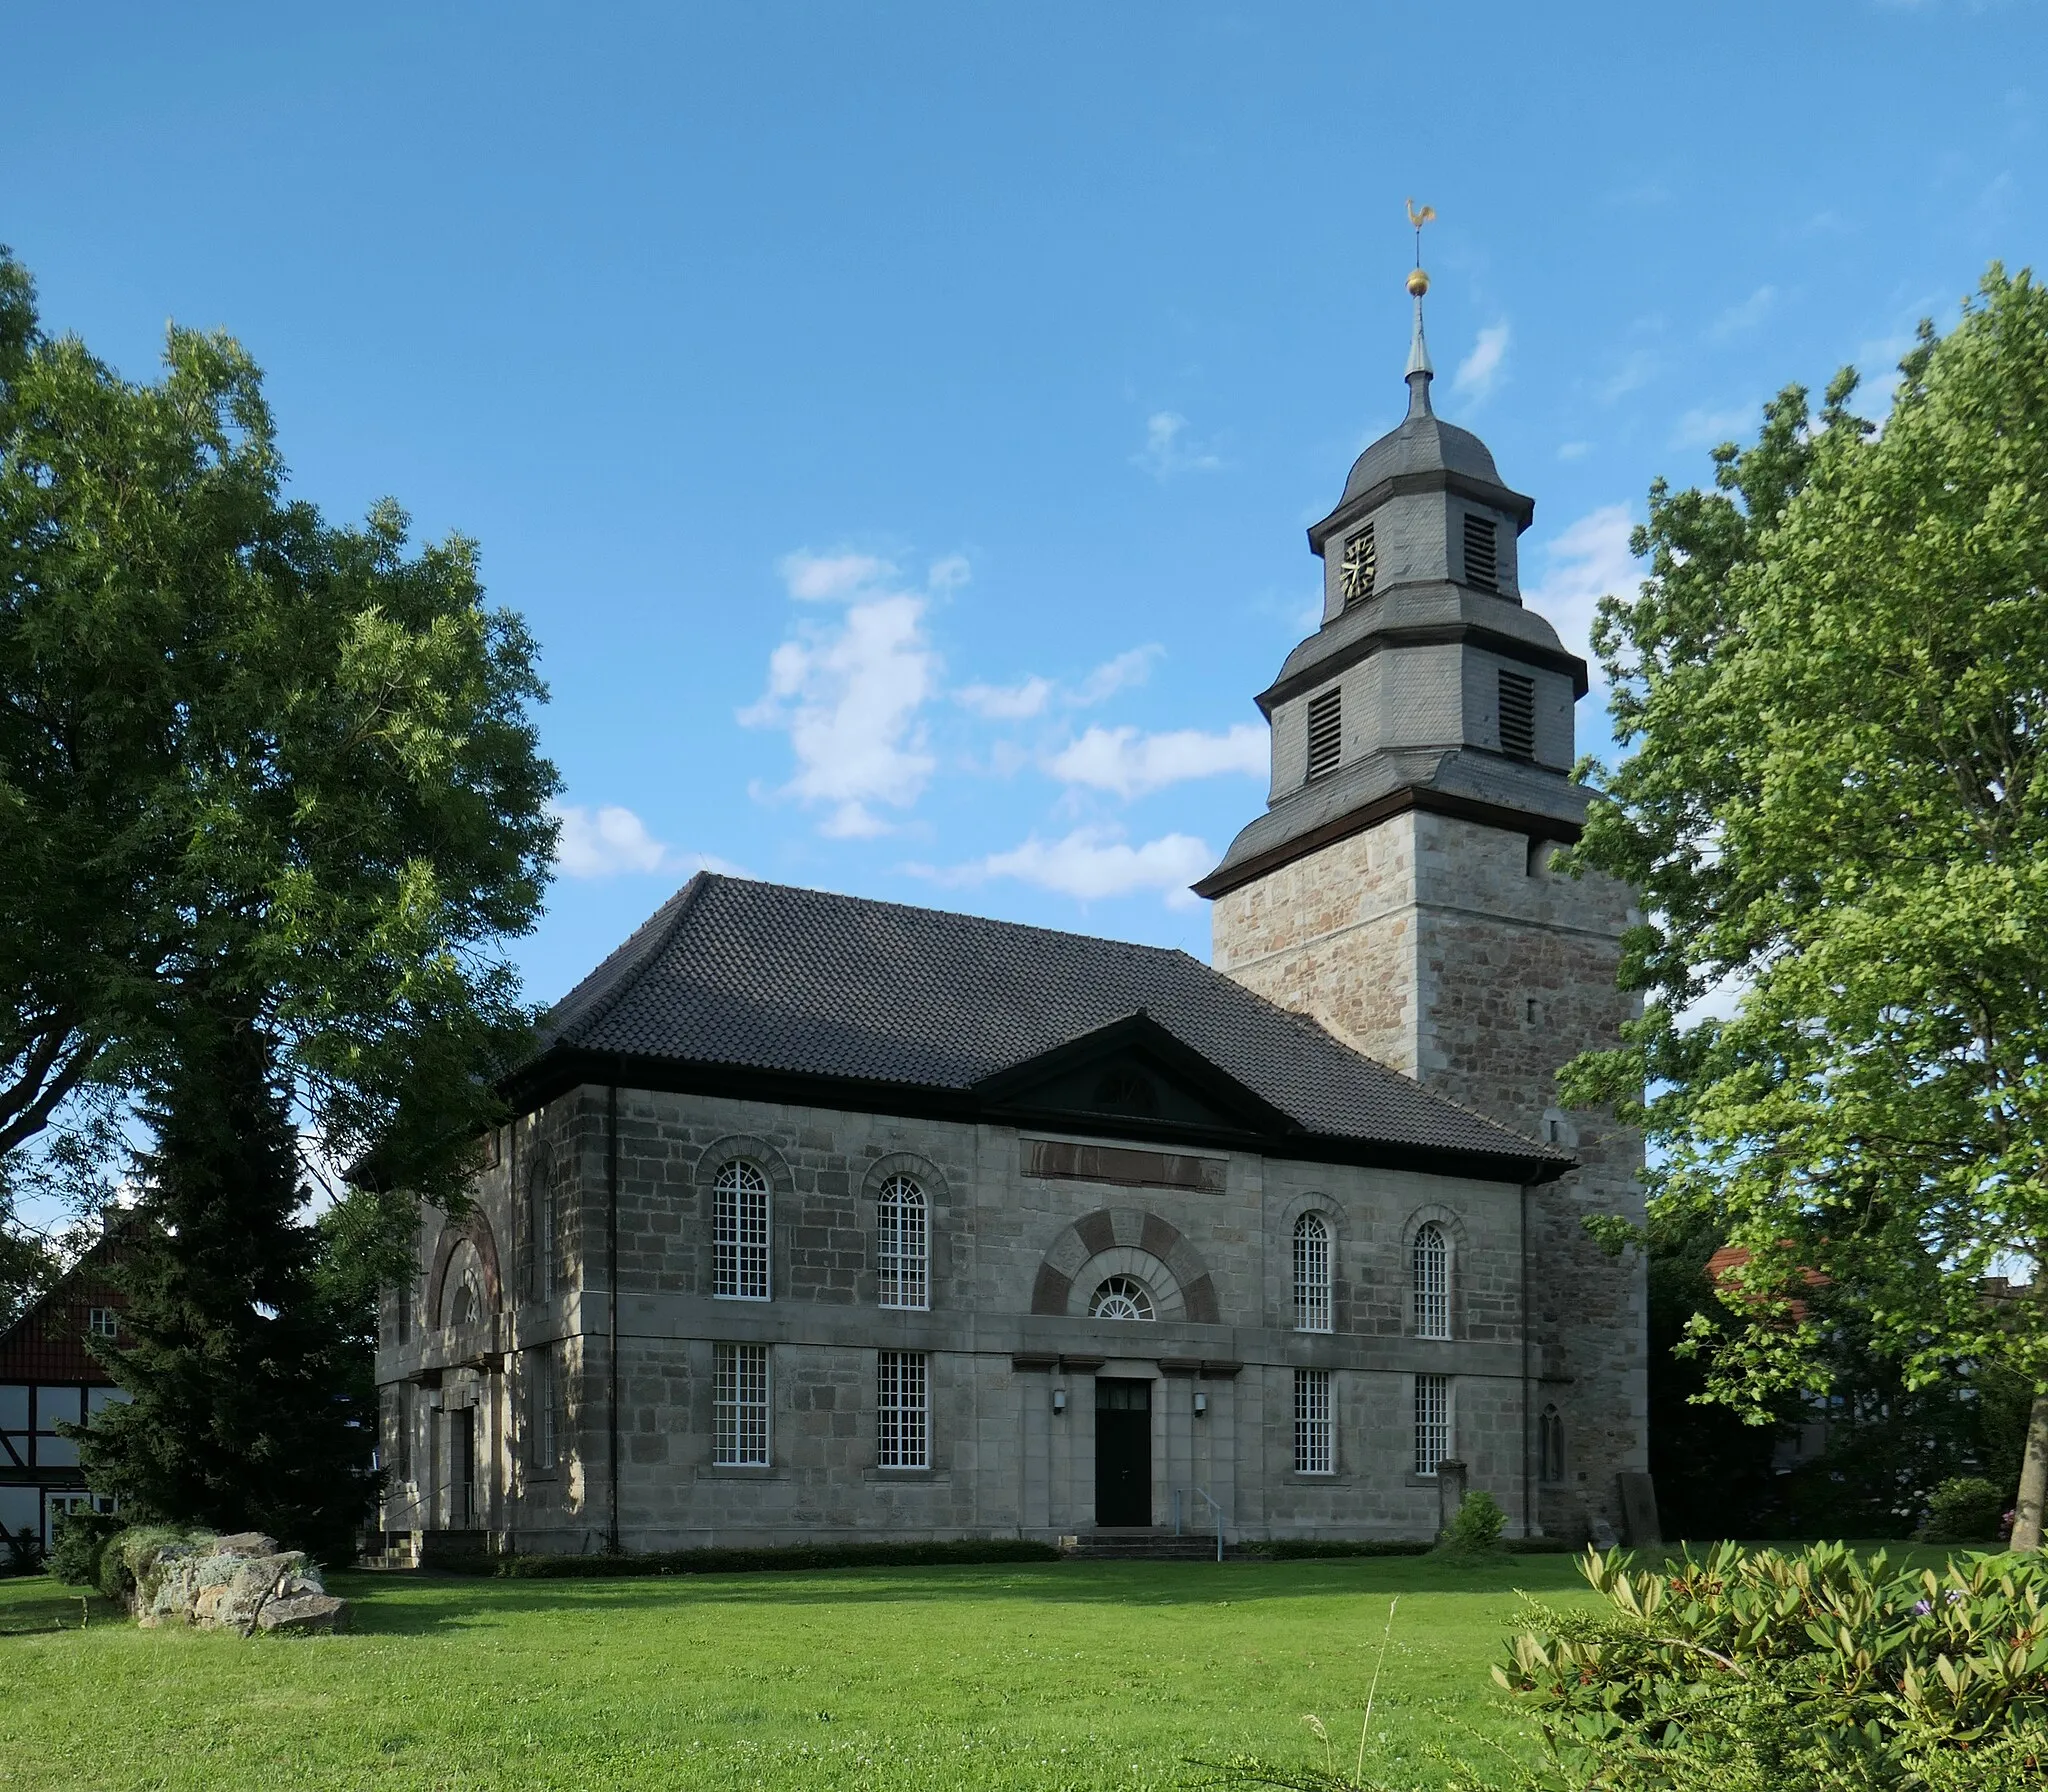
[
  {"x": 1312, "y": 1273},
  {"x": 543, "y": 1227},
  {"x": 739, "y": 1233},
  {"x": 1432, "y": 1281},
  {"x": 902, "y": 1245},
  {"x": 1550, "y": 1446}
]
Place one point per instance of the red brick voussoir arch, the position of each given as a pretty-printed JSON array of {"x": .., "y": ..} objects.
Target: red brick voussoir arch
[{"x": 1104, "y": 1230}]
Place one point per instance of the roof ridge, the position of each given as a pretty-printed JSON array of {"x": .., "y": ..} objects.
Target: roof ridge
[
  {"x": 957, "y": 914},
  {"x": 683, "y": 902}
]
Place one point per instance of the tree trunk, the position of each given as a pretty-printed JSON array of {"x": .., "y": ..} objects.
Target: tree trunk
[{"x": 2027, "y": 1513}]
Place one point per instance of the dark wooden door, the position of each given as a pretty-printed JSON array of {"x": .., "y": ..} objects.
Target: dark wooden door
[
  {"x": 462, "y": 1469},
  {"x": 1123, "y": 1452}
]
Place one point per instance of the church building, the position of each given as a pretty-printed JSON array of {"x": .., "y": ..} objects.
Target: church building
[{"x": 825, "y": 1219}]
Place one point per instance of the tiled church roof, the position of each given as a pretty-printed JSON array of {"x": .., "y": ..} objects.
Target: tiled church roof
[{"x": 764, "y": 977}]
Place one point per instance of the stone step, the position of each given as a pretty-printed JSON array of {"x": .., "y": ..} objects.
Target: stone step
[{"x": 1144, "y": 1546}]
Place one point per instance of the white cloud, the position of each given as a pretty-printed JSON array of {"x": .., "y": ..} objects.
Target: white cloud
[
  {"x": 1091, "y": 863},
  {"x": 1737, "y": 320},
  {"x": 1574, "y": 450},
  {"x": 815, "y": 578},
  {"x": 1168, "y": 450},
  {"x": 1114, "y": 675},
  {"x": 1586, "y": 562},
  {"x": 1701, "y": 427},
  {"x": 604, "y": 842},
  {"x": 1006, "y": 702},
  {"x": 1130, "y": 763},
  {"x": 849, "y": 694},
  {"x": 1636, "y": 370},
  {"x": 1479, "y": 372}
]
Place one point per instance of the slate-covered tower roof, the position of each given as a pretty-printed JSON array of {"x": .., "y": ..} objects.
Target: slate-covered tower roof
[
  {"x": 1428, "y": 683},
  {"x": 762, "y": 990}
]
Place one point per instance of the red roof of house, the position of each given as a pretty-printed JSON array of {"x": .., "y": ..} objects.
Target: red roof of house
[{"x": 47, "y": 1343}]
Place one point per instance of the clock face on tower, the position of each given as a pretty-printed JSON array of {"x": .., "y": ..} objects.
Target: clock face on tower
[{"x": 1359, "y": 566}]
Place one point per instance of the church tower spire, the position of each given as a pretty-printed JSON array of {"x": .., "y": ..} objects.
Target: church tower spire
[{"x": 1398, "y": 890}]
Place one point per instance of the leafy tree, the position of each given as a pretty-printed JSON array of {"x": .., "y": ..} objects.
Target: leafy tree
[
  {"x": 1835, "y": 683},
  {"x": 247, "y": 1412},
  {"x": 233, "y": 735}
]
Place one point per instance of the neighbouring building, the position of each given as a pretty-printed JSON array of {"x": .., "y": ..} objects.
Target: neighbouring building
[
  {"x": 49, "y": 1378},
  {"x": 828, "y": 1219}
]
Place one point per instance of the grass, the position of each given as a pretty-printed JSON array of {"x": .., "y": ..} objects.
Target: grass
[{"x": 1054, "y": 1676}]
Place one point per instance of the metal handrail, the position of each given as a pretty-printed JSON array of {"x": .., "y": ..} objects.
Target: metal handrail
[{"x": 1220, "y": 1520}]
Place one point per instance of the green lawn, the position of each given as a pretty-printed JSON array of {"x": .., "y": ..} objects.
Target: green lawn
[{"x": 1065, "y": 1675}]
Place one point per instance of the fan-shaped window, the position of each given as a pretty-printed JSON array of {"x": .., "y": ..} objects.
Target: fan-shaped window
[
  {"x": 1121, "y": 1297},
  {"x": 466, "y": 1305},
  {"x": 740, "y": 1233},
  {"x": 1432, "y": 1281},
  {"x": 1311, "y": 1273},
  {"x": 902, "y": 1245}
]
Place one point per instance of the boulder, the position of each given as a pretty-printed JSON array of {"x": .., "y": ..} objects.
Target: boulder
[{"x": 240, "y": 1582}]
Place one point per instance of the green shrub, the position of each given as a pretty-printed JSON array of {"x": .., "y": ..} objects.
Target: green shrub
[
  {"x": 1964, "y": 1510},
  {"x": 122, "y": 1563},
  {"x": 1477, "y": 1523},
  {"x": 1760, "y": 1672},
  {"x": 21, "y": 1552},
  {"x": 1314, "y": 1549},
  {"x": 76, "y": 1548},
  {"x": 794, "y": 1556}
]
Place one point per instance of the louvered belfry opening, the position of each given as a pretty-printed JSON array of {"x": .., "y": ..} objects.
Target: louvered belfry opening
[
  {"x": 1360, "y": 567},
  {"x": 1325, "y": 732},
  {"x": 1482, "y": 555},
  {"x": 1517, "y": 715}
]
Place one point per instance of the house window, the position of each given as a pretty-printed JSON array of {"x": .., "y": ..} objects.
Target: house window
[
  {"x": 1325, "y": 731},
  {"x": 901, "y": 1428},
  {"x": 1550, "y": 1446},
  {"x": 1482, "y": 558},
  {"x": 1360, "y": 567},
  {"x": 1431, "y": 1266},
  {"x": 902, "y": 1245},
  {"x": 740, "y": 1406},
  {"x": 401, "y": 1432},
  {"x": 544, "y": 1230},
  {"x": 102, "y": 1322},
  {"x": 542, "y": 1407},
  {"x": 1432, "y": 1422},
  {"x": 740, "y": 1233},
  {"x": 1517, "y": 715},
  {"x": 1311, "y": 1273},
  {"x": 1315, "y": 1451},
  {"x": 1121, "y": 1297}
]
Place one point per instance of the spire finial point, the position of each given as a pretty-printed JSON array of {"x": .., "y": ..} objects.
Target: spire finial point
[{"x": 1420, "y": 373}]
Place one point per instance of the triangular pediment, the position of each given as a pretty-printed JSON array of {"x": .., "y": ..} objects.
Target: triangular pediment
[{"x": 1137, "y": 1076}]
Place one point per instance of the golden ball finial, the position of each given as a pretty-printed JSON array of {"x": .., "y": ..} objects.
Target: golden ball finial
[{"x": 1418, "y": 283}]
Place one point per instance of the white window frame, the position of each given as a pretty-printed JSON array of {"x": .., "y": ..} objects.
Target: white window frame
[
  {"x": 902, "y": 1409},
  {"x": 541, "y": 1408},
  {"x": 1435, "y": 1424},
  {"x": 1429, "y": 1277},
  {"x": 1312, "y": 1253},
  {"x": 741, "y": 1433},
  {"x": 1315, "y": 1423},
  {"x": 545, "y": 1219},
  {"x": 102, "y": 1322},
  {"x": 742, "y": 1232},
  {"x": 903, "y": 1245}
]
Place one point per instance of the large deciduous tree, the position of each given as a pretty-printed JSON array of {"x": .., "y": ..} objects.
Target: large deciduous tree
[
  {"x": 1835, "y": 688},
  {"x": 270, "y": 804}
]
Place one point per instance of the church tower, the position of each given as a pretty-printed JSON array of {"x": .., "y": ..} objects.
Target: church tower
[{"x": 1399, "y": 889}]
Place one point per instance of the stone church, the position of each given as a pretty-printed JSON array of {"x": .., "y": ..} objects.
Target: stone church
[{"x": 826, "y": 1219}]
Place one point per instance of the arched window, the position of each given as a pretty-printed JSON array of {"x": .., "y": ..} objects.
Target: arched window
[
  {"x": 466, "y": 1304},
  {"x": 1432, "y": 1281},
  {"x": 1121, "y": 1297},
  {"x": 739, "y": 1233},
  {"x": 544, "y": 1228},
  {"x": 902, "y": 1245},
  {"x": 1550, "y": 1446},
  {"x": 1311, "y": 1273}
]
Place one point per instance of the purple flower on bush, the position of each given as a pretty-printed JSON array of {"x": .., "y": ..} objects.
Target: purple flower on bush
[{"x": 1923, "y": 1608}]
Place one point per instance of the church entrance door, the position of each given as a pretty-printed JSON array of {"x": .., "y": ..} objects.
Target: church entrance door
[
  {"x": 1123, "y": 1452},
  {"x": 462, "y": 1469}
]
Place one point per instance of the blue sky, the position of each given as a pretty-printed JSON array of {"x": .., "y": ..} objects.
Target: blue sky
[{"x": 899, "y": 423}]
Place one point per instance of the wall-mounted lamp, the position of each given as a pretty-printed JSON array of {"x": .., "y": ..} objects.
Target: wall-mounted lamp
[
  {"x": 1201, "y": 1406},
  {"x": 1059, "y": 1401}
]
